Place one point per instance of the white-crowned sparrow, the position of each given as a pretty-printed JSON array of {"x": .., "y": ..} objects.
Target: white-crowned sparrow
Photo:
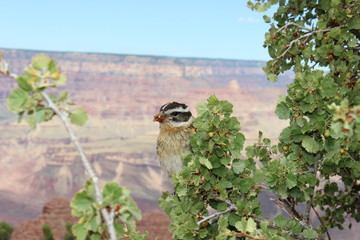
[{"x": 174, "y": 138}]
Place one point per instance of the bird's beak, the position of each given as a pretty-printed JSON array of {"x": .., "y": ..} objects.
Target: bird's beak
[{"x": 159, "y": 117}]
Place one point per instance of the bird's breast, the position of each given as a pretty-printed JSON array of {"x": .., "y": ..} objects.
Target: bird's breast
[{"x": 173, "y": 141}]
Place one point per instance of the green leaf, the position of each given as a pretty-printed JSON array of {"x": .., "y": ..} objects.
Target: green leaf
[
  {"x": 241, "y": 225},
  {"x": 52, "y": 66},
  {"x": 63, "y": 96},
  {"x": 61, "y": 80},
  {"x": 17, "y": 100},
  {"x": 260, "y": 7},
  {"x": 78, "y": 117},
  {"x": 225, "y": 160},
  {"x": 224, "y": 183},
  {"x": 311, "y": 145},
  {"x": 282, "y": 111},
  {"x": 272, "y": 77},
  {"x": 294, "y": 226},
  {"x": 40, "y": 62},
  {"x": 31, "y": 120},
  {"x": 277, "y": 238},
  {"x": 226, "y": 107},
  {"x": 267, "y": 19},
  {"x": 81, "y": 202},
  {"x": 238, "y": 166},
  {"x": 221, "y": 171},
  {"x": 95, "y": 236},
  {"x": 259, "y": 175},
  {"x": 80, "y": 231},
  {"x": 291, "y": 180},
  {"x": 251, "y": 225},
  {"x": 213, "y": 99},
  {"x": 321, "y": 23},
  {"x": 40, "y": 116},
  {"x": 112, "y": 192},
  {"x": 250, "y": 5},
  {"x": 309, "y": 233},
  {"x": 285, "y": 135},
  {"x": 328, "y": 88},
  {"x": 24, "y": 84},
  {"x": 336, "y": 128},
  {"x": 311, "y": 179},
  {"x": 233, "y": 123},
  {"x": 181, "y": 190},
  {"x": 354, "y": 22},
  {"x": 201, "y": 108},
  {"x": 205, "y": 162},
  {"x": 272, "y": 179},
  {"x": 246, "y": 184},
  {"x": 330, "y": 189},
  {"x": 353, "y": 42},
  {"x": 325, "y": 4},
  {"x": 221, "y": 206},
  {"x": 119, "y": 228},
  {"x": 280, "y": 221}
]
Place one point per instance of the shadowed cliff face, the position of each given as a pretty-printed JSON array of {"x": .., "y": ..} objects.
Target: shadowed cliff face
[{"x": 121, "y": 94}]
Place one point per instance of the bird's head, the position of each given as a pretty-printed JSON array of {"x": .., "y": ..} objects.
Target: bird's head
[{"x": 174, "y": 114}]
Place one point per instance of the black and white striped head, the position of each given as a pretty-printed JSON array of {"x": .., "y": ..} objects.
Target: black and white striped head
[{"x": 174, "y": 113}]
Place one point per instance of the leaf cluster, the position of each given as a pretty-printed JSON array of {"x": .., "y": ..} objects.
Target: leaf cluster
[
  {"x": 6, "y": 230},
  {"x": 112, "y": 211},
  {"x": 47, "y": 233},
  {"x": 117, "y": 200},
  {"x": 322, "y": 106},
  {"x": 27, "y": 100},
  {"x": 216, "y": 194}
]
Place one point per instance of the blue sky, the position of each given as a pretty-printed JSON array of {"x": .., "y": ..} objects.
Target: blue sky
[{"x": 179, "y": 28}]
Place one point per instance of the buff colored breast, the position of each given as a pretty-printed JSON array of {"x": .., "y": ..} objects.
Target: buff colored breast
[{"x": 171, "y": 144}]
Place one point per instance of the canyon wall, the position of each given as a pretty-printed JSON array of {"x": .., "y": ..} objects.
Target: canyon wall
[{"x": 121, "y": 93}]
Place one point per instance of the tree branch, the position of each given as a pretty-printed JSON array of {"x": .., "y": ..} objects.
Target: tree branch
[
  {"x": 272, "y": 225},
  {"x": 306, "y": 35},
  {"x": 233, "y": 207},
  {"x": 293, "y": 24},
  {"x": 309, "y": 203},
  {"x": 240, "y": 234},
  {"x": 218, "y": 214},
  {"x": 322, "y": 223},
  {"x": 108, "y": 217},
  {"x": 289, "y": 210}
]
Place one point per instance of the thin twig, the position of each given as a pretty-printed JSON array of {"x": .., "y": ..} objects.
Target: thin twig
[
  {"x": 240, "y": 234},
  {"x": 350, "y": 6},
  {"x": 109, "y": 218},
  {"x": 217, "y": 214},
  {"x": 293, "y": 24},
  {"x": 350, "y": 156},
  {"x": 290, "y": 211},
  {"x": 307, "y": 34},
  {"x": 322, "y": 223},
  {"x": 310, "y": 170},
  {"x": 232, "y": 206},
  {"x": 309, "y": 202}
]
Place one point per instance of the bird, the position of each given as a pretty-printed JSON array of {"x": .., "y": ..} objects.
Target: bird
[{"x": 175, "y": 124}]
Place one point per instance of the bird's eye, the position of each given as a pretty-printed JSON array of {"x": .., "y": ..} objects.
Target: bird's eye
[{"x": 174, "y": 114}]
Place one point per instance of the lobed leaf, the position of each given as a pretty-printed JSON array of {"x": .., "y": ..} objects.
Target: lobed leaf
[{"x": 78, "y": 117}]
